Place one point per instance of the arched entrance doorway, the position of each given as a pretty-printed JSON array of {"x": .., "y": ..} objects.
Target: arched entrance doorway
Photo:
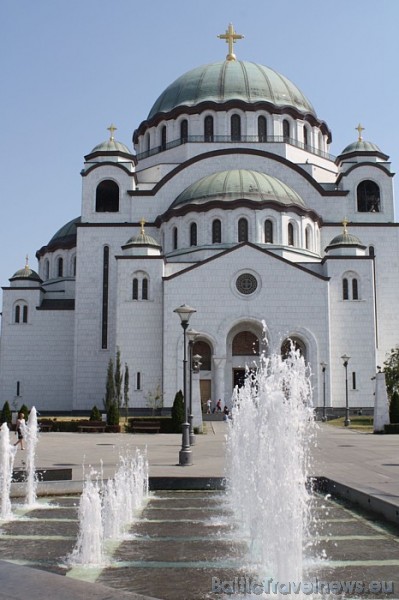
[{"x": 245, "y": 348}]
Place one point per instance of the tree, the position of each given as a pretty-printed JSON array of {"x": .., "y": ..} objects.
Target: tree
[
  {"x": 95, "y": 414},
  {"x": 5, "y": 414},
  {"x": 126, "y": 391},
  {"x": 391, "y": 370},
  {"x": 118, "y": 379},
  {"x": 178, "y": 412},
  {"x": 25, "y": 410},
  {"x": 109, "y": 386},
  {"x": 394, "y": 408},
  {"x": 155, "y": 399},
  {"x": 113, "y": 415}
]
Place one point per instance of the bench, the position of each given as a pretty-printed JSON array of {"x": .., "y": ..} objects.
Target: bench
[
  {"x": 145, "y": 426},
  {"x": 92, "y": 427},
  {"x": 45, "y": 426}
]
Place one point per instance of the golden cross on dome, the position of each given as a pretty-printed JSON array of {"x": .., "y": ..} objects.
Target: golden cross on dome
[
  {"x": 111, "y": 129},
  {"x": 27, "y": 263},
  {"x": 142, "y": 223},
  {"x": 231, "y": 37},
  {"x": 359, "y": 128},
  {"x": 345, "y": 224}
]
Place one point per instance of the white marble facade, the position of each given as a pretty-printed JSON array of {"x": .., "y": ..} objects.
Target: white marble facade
[{"x": 243, "y": 208}]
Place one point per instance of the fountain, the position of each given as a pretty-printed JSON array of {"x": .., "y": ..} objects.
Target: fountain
[
  {"x": 31, "y": 433},
  {"x": 268, "y": 449},
  {"x": 107, "y": 508},
  {"x": 7, "y": 454}
]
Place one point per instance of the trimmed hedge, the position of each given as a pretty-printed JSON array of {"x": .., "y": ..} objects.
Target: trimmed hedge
[
  {"x": 391, "y": 428},
  {"x": 166, "y": 423}
]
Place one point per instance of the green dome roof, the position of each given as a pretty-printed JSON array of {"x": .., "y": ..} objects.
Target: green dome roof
[
  {"x": 111, "y": 146},
  {"x": 26, "y": 273},
  {"x": 238, "y": 184},
  {"x": 66, "y": 232},
  {"x": 345, "y": 239},
  {"x": 228, "y": 80},
  {"x": 360, "y": 146},
  {"x": 142, "y": 239}
]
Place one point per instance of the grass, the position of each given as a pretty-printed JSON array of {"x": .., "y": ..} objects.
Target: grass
[{"x": 357, "y": 422}]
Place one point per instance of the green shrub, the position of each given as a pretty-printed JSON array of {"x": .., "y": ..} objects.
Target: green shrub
[
  {"x": 6, "y": 415},
  {"x": 394, "y": 408},
  {"x": 24, "y": 409},
  {"x": 178, "y": 412},
  {"x": 391, "y": 428},
  {"x": 95, "y": 414}
]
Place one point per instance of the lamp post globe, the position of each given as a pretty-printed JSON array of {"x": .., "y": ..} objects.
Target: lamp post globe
[{"x": 185, "y": 454}]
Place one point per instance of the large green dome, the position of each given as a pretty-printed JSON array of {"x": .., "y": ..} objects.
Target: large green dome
[
  {"x": 238, "y": 184},
  {"x": 228, "y": 80}
]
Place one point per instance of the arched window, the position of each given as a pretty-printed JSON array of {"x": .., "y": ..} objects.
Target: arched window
[
  {"x": 74, "y": 266},
  {"x": 24, "y": 313},
  {"x": 17, "y": 315},
  {"x": 193, "y": 234},
  {"x": 350, "y": 287},
  {"x": 245, "y": 343},
  {"x": 205, "y": 352},
  {"x": 262, "y": 129},
  {"x": 208, "y": 129},
  {"x": 290, "y": 234},
  {"x": 371, "y": 251},
  {"x": 268, "y": 231},
  {"x": 292, "y": 343},
  {"x": 60, "y": 267},
  {"x": 286, "y": 130},
  {"x": 216, "y": 231},
  {"x": 305, "y": 136},
  {"x": 107, "y": 196},
  {"x": 175, "y": 238},
  {"x": 184, "y": 131},
  {"x": 235, "y": 128},
  {"x": 163, "y": 138},
  {"x": 135, "y": 294},
  {"x": 144, "y": 289},
  {"x": 46, "y": 269},
  {"x": 148, "y": 142},
  {"x": 355, "y": 293},
  {"x": 345, "y": 289},
  {"x": 368, "y": 197},
  {"x": 242, "y": 230},
  {"x": 307, "y": 237}
]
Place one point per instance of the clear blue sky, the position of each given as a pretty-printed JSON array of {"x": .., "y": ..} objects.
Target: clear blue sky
[{"x": 70, "y": 68}]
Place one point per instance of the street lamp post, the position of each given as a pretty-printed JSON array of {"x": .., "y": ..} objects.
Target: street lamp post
[
  {"x": 345, "y": 359},
  {"x": 192, "y": 336},
  {"x": 185, "y": 456},
  {"x": 323, "y": 368}
]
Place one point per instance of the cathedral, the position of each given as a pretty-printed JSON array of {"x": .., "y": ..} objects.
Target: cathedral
[{"x": 229, "y": 202}]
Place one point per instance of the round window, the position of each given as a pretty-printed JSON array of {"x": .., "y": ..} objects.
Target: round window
[{"x": 246, "y": 283}]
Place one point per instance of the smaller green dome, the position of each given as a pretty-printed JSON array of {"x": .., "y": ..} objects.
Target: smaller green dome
[
  {"x": 26, "y": 273},
  {"x": 142, "y": 239},
  {"x": 111, "y": 146},
  {"x": 360, "y": 146},
  {"x": 345, "y": 239},
  {"x": 238, "y": 184}
]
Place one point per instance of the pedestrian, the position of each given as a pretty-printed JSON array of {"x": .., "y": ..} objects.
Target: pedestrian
[
  {"x": 20, "y": 430},
  {"x": 219, "y": 406},
  {"x": 208, "y": 406},
  {"x": 226, "y": 413}
]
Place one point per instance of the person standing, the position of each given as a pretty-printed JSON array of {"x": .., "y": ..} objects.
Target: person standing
[
  {"x": 208, "y": 406},
  {"x": 219, "y": 406},
  {"x": 20, "y": 430}
]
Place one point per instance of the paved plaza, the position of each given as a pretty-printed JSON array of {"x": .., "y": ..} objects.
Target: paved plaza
[{"x": 187, "y": 537}]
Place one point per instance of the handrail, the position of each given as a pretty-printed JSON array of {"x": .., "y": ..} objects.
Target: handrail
[{"x": 228, "y": 139}]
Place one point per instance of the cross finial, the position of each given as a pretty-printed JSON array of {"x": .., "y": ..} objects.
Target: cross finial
[
  {"x": 111, "y": 129},
  {"x": 345, "y": 225},
  {"x": 359, "y": 128},
  {"x": 27, "y": 263},
  {"x": 142, "y": 223},
  {"x": 231, "y": 37}
]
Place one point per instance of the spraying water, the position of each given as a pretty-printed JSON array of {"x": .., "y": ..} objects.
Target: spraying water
[
  {"x": 107, "y": 508},
  {"x": 7, "y": 455},
  {"x": 268, "y": 453},
  {"x": 31, "y": 432}
]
